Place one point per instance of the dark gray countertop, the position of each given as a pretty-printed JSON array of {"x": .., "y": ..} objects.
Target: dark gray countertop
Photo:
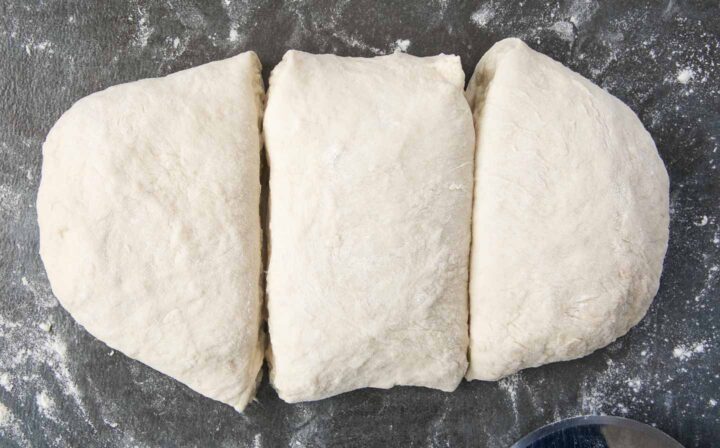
[{"x": 61, "y": 387}]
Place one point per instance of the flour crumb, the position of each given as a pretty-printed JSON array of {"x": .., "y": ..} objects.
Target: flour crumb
[
  {"x": 483, "y": 16},
  {"x": 176, "y": 42},
  {"x": 44, "y": 402},
  {"x": 24, "y": 281},
  {"x": 712, "y": 402},
  {"x": 5, "y": 382},
  {"x": 685, "y": 75},
  {"x": 681, "y": 352},
  {"x": 685, "y": 352},
  {"x": 4, "y": 414},
  {"x": 401, "y": 45},
  {"x": 233, "y": 36},
  {"x": 45, "y": 326},
  {"x": 702, "y": 221}
]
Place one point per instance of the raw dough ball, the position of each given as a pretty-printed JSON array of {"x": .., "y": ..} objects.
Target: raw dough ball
[
  {"x": 570, "y": 222},
  {"x": 370, "y": 201},
  {"x": 149, "y": 222}
]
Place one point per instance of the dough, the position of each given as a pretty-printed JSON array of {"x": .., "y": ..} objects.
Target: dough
[
  {"x": 149, "y": 222},
  {"x": 570, "y": 222},
  {"x": 370, "y": 202}
]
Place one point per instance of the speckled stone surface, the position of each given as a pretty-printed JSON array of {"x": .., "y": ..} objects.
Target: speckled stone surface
[{"x": 61, "y": 387}]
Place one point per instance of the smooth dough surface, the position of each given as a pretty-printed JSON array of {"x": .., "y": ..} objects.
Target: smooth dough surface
[
  {"x": 370, "y": 203},
  {"x": 570, "y": 220},
  {"x": 149, "y": 222}
]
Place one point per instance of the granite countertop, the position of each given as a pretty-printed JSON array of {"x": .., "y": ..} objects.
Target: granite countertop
[{"x": 61, "y": 387}]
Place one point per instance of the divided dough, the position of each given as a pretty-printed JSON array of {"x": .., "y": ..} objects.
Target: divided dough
[
  {"x": 570, "y": 219},
  {"x": 150, "y": 230},
  {"x": 370, "y": 202},
  {"x": 149, "y": 222}
]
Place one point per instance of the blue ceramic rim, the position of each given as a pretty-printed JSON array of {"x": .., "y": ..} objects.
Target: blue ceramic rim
[{"x": 594, "y": 420}]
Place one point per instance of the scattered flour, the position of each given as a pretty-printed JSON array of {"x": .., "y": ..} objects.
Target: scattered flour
[
  {"x": 635, "y": 384},
  {"x": 510, "y": 385},
  {"x": 401, "y": 45},
  {"x": 483, "y": 16},
  {"x": 4, "y": 415},
  {"x": 10, "y": 200},
  {"x": 685, "y": 352},
  {"x": 234, "y": 35},
  {"x": 685, "y": 75},
  {"x": 564, "y": 30},
  {"x": 5, "y": 382},
  {"x": 354, "y": 42},
  {"x": 144, "y": 30},
  {"x": 45, "y": 403},
  {"x": 44, "y": 46},
  {"x": 581, "y": 11}
]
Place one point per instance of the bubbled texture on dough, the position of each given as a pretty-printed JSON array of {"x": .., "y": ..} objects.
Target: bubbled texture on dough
[
  {"x": 149, "y": 222},
  {"x": 570, "y": 222},
  {"x": 370, "y": 202}
]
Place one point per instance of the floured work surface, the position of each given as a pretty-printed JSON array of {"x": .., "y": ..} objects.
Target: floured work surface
[{"x": 59, "y": 386}]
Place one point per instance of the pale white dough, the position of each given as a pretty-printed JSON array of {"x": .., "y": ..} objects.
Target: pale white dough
[
  {"x": 570, "y": 220},
  {"x": 370, "y": 202},
  {"x": 149, "y": 222}
]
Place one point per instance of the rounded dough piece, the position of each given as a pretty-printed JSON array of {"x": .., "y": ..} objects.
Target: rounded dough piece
[
  {"x": 570, "y": 219},
  {"x": 149, "y": 222}
]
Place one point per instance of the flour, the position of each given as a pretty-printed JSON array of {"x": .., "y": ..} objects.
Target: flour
[
  {"x": 582, "y": 11},
  {"x": 143, "y": 29},
  {"x": 354, "y": 42},
  {"x": 37, "y": 348},
  {"x": 45, "y": 403},
  {"x": 702, "y": 221},
  {"x": 635, "y": 384},
  {"x": 401, "y": 45},
  {"x": 685, "y": 75},
  {"x": 9, "y": 200},
  {"x": 565, "y": 30},
  {"x": 483, "y": 16},
  {"x": 233, "y": 36},
  {"x": 44, "y": 46},
  {"x": 45, "y": 326},
  {"x": 509, "y": 384},
  {"x": 684, "y": 352},
  {"x": 4, "y": 414},
  {"x": 5, "y": 382}
]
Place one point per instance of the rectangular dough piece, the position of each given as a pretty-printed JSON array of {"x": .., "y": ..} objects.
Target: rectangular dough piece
[{"x": 371, "y": 164}]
